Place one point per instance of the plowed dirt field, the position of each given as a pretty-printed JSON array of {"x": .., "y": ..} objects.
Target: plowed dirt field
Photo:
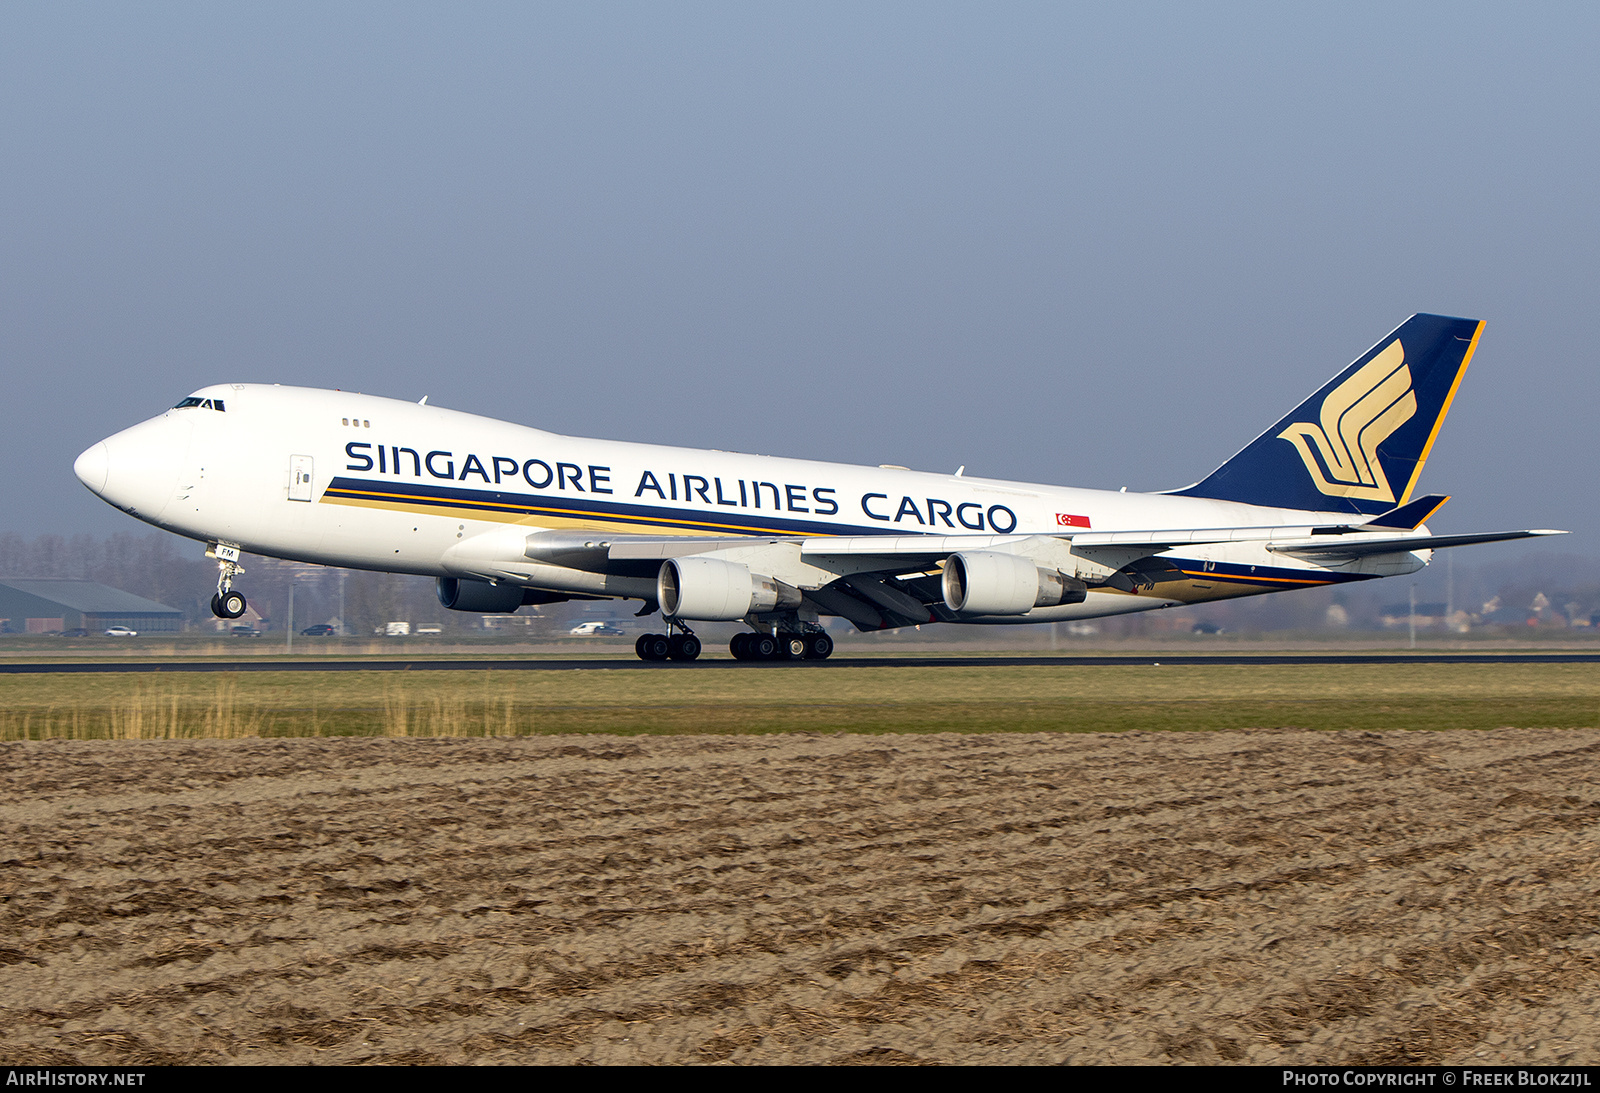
[{"x": 1266, "y": 896}]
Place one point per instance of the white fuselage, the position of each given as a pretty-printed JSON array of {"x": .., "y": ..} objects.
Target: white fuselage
[{"x": 359, "y": 481}]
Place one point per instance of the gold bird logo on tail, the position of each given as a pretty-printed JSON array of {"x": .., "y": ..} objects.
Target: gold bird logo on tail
[{"x": 1357, "y": 416}]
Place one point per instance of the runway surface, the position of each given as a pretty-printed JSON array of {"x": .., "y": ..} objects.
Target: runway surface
[{"x": 393, "y": 664}]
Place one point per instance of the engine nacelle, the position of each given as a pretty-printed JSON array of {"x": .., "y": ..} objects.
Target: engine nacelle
[
  {"x": 987, "y": 582},
  {"x": 713, "y": 590},
  {"x": 481, "y": 597}
]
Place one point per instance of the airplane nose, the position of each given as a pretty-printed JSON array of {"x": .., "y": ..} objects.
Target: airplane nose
[
  {"x": 137, "y": 469},
  {"x": 92, "y": 466}
]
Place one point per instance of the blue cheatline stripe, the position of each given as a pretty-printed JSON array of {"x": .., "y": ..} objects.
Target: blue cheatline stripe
[{"x": 424, "y": 495}]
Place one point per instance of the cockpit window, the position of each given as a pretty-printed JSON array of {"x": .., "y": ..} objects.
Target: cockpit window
[
  {"x": 202, "y": 403},
  {"x": 188, "y": 402}
]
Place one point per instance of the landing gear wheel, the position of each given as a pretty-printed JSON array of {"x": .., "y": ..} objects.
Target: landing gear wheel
[
  {"x": 740, "y": 646},
  {"x": 683, "y": 647},
  {"x": 793, "y": 647},
  {"x": 818, "y": 646},
  {"x": 231, "y": 605},
  {"x": 216, "y": 605},
  {"x": 652, "y": 647},
  {"x": 760, "y": 647}
]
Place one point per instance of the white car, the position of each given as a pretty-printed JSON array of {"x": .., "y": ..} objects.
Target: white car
[
  {"x": 595, "y": 629},
  {"x": 120, "y": 632}
]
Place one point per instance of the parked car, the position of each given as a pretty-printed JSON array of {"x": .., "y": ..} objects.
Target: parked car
[
  {"x": 321, "y": 630},
  {"x": 121, "y": 632},
  {"x": 595, "y": 629},
  {"x": 75, "y": 632},
  {"x": 246, "y": 632}
]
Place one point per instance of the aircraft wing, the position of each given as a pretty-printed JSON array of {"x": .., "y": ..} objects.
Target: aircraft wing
[
  {"x": 896, "y": 580},
  {"x": 643, "y": 555}
]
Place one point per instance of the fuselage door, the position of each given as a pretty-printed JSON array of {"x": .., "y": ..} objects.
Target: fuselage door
[{"x": 299, "y": 478}]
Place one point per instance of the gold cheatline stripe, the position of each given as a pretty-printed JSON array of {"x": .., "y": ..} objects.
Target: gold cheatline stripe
[
  {"x": 1443, "y": 410},
  {"x": 1431, "y": 511},
  {"x": 391, "y": 500},
  {"x": 1214, "y": 576}
]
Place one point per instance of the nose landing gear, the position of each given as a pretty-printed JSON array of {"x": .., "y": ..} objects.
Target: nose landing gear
[{"x": 227, "y": 604}]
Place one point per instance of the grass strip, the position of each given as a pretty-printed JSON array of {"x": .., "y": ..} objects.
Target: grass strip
[{"x": 853, "y": 699}]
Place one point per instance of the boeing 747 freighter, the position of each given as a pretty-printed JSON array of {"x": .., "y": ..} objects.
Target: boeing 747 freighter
[{"x": 505, "y": 515}]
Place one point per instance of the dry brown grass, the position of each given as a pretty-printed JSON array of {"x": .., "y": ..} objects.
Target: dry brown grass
[{"x": 1268, "y": 897}]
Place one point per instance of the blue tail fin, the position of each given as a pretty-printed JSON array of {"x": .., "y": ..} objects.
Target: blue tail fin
[{"x": 1357, "y": 445}]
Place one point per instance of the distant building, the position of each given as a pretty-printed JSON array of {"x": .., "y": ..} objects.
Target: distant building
[
  {"x": 1400, "y": 614},
  {"x": 47, "y": 605}
]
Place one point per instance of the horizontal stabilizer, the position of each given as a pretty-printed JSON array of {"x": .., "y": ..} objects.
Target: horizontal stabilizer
[
  {"x": 1408, "y": 517},
  {"x": 1356, "y": 548}
]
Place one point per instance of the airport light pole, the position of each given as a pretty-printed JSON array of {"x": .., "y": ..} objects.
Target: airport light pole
[{"x": 294, "y": 578}]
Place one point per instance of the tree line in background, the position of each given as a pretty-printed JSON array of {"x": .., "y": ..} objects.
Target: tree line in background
[
  {"x": 175, "y": 572},
  {"x": 146, "y": 565},
  {"x": 1539, "y": 590},
  {"x": 1542, "y": 588}
]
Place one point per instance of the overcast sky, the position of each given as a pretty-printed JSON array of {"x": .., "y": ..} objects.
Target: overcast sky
[{"x": 1090, "y": 245}]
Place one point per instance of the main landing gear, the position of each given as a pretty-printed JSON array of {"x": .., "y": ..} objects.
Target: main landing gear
[
  {"x": 783, "y": 646},
  {"x": 227, "y": 604},
  {"x": 679, "y": 644}
]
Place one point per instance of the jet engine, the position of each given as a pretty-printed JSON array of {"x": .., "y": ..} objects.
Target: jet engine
[
  {"x": 987, "y": 582},
  {"x": 712, "y": 590},
  {"x": 483, "y": 598}
]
